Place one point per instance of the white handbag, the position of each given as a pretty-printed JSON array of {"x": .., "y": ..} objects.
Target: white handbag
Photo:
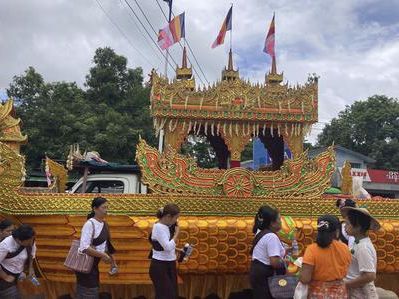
[{"x": 301, "y": 291}]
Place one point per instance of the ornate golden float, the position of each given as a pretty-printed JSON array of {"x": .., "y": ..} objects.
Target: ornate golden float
[{"x": 218, "y": 205}]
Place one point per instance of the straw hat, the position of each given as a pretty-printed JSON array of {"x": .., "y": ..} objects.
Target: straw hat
[{"x": 374, "y": 224}]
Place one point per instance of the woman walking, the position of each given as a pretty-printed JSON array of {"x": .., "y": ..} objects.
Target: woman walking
[
  {"x": 363, "y": 269},
  {"x": 267, "y": 251},
  {"x": 95, "y": 241},
  {"x": 163, "y": 238},
  {"x": 326, "y": 262},
  {"x": 16, "y": 252}
]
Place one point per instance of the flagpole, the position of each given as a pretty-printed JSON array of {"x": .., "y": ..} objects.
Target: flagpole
[
  {"x": 231, "y": 31},
  {"x": 167, "y": 50}
]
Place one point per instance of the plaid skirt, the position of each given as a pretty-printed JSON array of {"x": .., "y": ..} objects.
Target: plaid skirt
[
  {"x": 86, "y": 293},
  {"x": 10, "y": 293},
  {"x": 327, "y": 290}
]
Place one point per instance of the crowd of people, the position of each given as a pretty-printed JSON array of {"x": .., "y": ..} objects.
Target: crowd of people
[{"x": 341, "y": 263}]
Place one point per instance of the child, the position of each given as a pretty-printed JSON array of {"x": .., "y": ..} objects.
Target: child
[{"x": 363, "y": 268}]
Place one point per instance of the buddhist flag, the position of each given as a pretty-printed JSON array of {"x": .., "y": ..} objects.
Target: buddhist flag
[
  {"x": 172, "y": 33},
  {"x": 226, "y": 26},
  {"x": 269, "y": 42}
]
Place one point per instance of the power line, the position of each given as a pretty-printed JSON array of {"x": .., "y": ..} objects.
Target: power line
[
  {"x": 145, "y": 29},
  {"x": 122, "y": 33},
  {"x": 189, "y": 47},
  {"x": 134, "y": 22}
]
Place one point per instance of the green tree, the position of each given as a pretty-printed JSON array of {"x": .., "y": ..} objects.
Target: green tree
[
  {"x": 121, "y": 103},
  {"x": 369, "y": 127},
  {"x": 199, "y": 148},
  {"x": 107, "y": 117}
]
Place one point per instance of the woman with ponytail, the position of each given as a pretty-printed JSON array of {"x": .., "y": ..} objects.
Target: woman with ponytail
[
  {"x": 163, "y": 238},
  {"x": 326, "y": 262},
  {"x": 267, "y": 251},
  {"x": 95, "y": 241}
]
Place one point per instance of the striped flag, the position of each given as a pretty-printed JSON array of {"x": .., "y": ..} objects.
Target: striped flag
[
  {"x": 226, "y": 26},
  {"x": 269, "y": 42},
  {"x": 172, "y": 33}
]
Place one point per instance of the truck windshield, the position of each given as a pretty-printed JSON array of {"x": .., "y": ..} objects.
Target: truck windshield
[{"x": 106, "y": 187}]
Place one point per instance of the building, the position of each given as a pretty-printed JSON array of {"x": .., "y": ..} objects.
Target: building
[{"x": 377, "y": 182}]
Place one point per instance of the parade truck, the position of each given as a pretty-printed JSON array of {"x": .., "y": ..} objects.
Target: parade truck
[{"x": 217, "y": 205}]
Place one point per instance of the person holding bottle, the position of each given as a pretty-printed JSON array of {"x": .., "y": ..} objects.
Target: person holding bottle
[
  {"x": 95, "y": 241},
  {"x": 163, "y": 238}
]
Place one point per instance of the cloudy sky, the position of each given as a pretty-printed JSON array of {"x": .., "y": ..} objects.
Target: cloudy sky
[{"x": 353, "y": 45}]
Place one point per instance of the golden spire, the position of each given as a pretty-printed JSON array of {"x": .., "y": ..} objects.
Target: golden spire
[
  {"x": 184, "y": 72},
  {"x": 272, "y": 77},
  {"x": 230, "y": 64},
  {"x": 229, "y": 73},
  {"x": 274, "y": 68},
  {"x": 184, "y": 59}
]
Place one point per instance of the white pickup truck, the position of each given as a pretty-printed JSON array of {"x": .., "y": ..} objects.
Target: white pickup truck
[{"x": 108, "y": 183}]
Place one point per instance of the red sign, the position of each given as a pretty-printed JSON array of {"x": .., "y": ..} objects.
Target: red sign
[{"x": 384, "y": 176}]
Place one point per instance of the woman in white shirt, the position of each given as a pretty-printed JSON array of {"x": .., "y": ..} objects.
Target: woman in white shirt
[
  {"x": 16, "y": 251},
  {"x": 363, "y": 268},
  {"x": 163, "y": 238},
  {"x": 95, "y": 241},
  {"x": 267, "y": 251}
]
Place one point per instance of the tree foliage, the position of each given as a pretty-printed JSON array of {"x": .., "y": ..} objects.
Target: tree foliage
[
  {"x": 369, "y": 127},
  {"x": 199, "y": 148},
  {"x": 108, "y": 116}
]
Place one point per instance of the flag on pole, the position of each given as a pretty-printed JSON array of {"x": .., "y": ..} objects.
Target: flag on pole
[
  {"x": 269, "y": 42},
  {"x": 226, "y": 26},
  {"x": 172, "y": 33},
  {"x": 170, "y": 8}
]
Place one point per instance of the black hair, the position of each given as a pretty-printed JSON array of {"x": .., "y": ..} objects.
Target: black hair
[
  {"x": 327, "y": 226},
  {"x": 96, "y": 203},
  {"x": 24, "y": 232},
  {"x": 169, "y": 209},
  {"x": 358, "y": 219},
  {"x": 265, "y": 216},
  {"x": 347, "y": 203},
  {"x": 5, "y": 224}
]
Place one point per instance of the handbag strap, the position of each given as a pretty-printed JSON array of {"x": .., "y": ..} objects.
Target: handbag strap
[
  {"x": 257, "y": 238},
  {"x": 92, "y": 234},
  {"x": 11, "y": 255}
]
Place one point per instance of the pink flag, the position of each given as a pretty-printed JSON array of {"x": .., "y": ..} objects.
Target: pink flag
[
  {"x": 269, "y": 42},
  {"x": 172, "y": 33}
]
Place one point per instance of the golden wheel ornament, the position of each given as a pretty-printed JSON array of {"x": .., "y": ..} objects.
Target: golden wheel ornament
[{"x": 238, "y": 183}]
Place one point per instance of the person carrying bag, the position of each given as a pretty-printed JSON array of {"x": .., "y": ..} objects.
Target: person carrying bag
[
  {"x": 95, "y": 245},
  {"x": 268, "y": 271}
]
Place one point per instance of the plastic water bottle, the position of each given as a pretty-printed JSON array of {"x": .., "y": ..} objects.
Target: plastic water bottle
[
  {"x": 34, "y": 281},
  {"x": 295, "y": 248},
  {"x": 113, "y": 271}
]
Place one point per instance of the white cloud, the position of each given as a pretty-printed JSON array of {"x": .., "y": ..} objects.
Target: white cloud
[{"x": 352, "y": 44}]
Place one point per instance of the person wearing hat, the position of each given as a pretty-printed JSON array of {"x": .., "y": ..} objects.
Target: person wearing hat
[{"x": 363, "y": 268}]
